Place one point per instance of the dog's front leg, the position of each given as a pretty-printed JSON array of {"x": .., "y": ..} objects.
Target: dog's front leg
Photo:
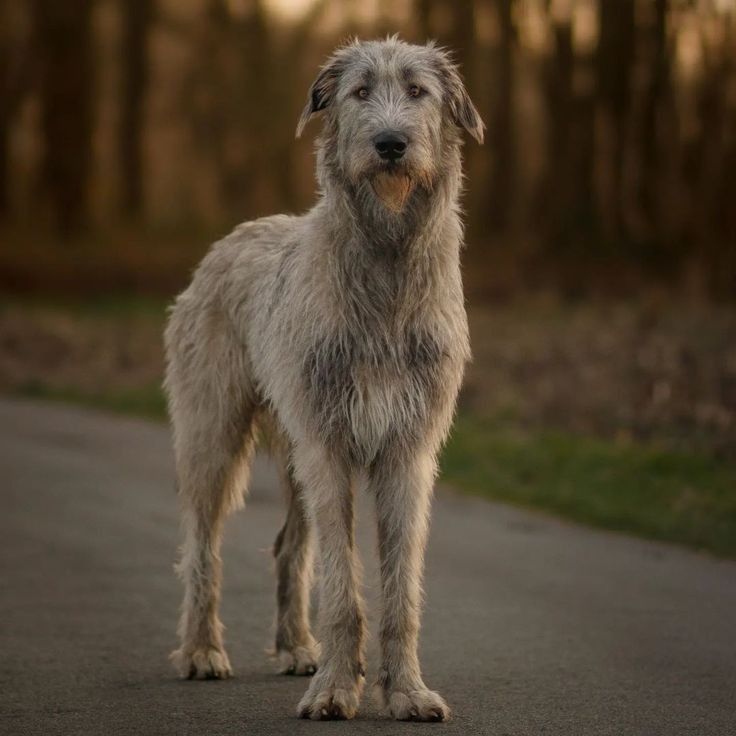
[
  {"x": 335, "y": 690},
  {"x": 403, "y": 488}
]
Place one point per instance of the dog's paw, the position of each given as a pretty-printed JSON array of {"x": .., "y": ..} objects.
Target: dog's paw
[
  {"x": 416, "y": 705},
  {"x": 299, "y": 660},
  {"x": 325, "y": 701},
  {"x": 207, "y": 663}
]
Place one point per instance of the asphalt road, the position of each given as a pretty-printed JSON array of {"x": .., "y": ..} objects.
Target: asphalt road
[{"x": 532, "y": 626}]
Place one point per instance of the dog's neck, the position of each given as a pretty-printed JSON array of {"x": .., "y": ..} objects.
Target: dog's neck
[
  {"x": 390, "y": 260},
  {"x": 428, "y": 219}
]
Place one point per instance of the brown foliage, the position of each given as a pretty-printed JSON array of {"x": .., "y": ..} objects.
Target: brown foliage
[{"x": 612, "y": 125}]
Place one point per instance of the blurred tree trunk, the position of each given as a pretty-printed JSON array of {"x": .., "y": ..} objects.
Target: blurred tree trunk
[
  {"x": 555, "y": 193},
  {"x": 5, "y": 110},
  {"x": 724, "y": 281},
  {"x": 614, "y": 66},
  {"x": 136, "y": 21},
  {"x": 291, "y": 78},
  {"x": 452, "y": 24},
  {"x": 256, "y": 182},
  {"x": 239, "y": 85},
  {"x": 655, "y": 92},
  {"x": 16, "y": 82},
  {"x": 64, "y": 50},
  {"x": 655, "y": 206},
  {"x": 582, "y": 151},
  {"x": 462, "y": 39},
  {"x": 502, "y": 179},
  {"x": 423, "y": 12},
  {"x": 711, "y": 171}
]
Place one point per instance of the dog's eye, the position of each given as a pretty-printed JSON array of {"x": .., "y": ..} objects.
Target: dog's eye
[
  {"x": 362, "y": 93},
  {"x": 415, "y": 90}
]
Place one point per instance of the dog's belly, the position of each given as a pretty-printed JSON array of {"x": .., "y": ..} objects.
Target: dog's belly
[{"x": 366, "y": 397}]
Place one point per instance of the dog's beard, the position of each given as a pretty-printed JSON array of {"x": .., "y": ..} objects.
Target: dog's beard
[{"x": 393, "y": 188}]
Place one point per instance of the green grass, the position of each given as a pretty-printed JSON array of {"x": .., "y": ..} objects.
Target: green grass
[
  {"x": 111, "y": 307},
  {"x": 635, "y": 488},
  {"x": 685, "y": 498},
  {"x": 148, "y": 402}
]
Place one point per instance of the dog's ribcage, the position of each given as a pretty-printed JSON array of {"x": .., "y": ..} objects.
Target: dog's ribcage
[
  {"x": 366, "y": 394},
  {"x": 374, "y": 381}
]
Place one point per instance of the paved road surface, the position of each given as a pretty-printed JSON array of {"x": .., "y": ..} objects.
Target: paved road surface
[{"x": 532, "y": 626}]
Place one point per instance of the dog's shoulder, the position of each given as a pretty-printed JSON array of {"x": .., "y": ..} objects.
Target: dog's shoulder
[
  {"x": 265, "y": 231},
  {"x": 253, "y": 244}
]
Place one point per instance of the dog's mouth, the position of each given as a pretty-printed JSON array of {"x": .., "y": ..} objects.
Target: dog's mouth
[{"x": 393, "y": 187}]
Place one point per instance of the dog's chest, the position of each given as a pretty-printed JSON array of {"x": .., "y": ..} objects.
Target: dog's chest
[{"x": 368, "y": 392}]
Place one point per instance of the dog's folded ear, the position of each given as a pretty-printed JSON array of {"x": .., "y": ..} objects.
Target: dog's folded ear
[
  {"x": 461, "y": 107},
  {"x": 321, "y": 92}
]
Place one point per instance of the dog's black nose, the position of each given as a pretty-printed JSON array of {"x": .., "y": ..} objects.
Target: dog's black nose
[{"x": 390, "y": 145}]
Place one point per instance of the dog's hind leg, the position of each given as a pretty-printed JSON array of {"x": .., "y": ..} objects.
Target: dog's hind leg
[
  {"x": 293, "y": 550},
  {"x": 212, "y": 468},
  {"x": 213, "y": 414}
]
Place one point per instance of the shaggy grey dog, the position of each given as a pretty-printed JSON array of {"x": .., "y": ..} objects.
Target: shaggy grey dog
[{"x": 344, "y": 332}]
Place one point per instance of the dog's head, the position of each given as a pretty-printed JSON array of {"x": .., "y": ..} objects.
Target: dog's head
[{"x": 392, "y": 113}]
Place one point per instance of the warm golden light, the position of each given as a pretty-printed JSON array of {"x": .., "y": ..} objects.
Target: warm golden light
[{"x": 290, "y": 9}]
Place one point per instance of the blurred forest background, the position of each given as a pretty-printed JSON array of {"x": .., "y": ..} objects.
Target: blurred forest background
[
  {"x": 609, "y": 163},
  {"x": 601, "y": 219}
]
